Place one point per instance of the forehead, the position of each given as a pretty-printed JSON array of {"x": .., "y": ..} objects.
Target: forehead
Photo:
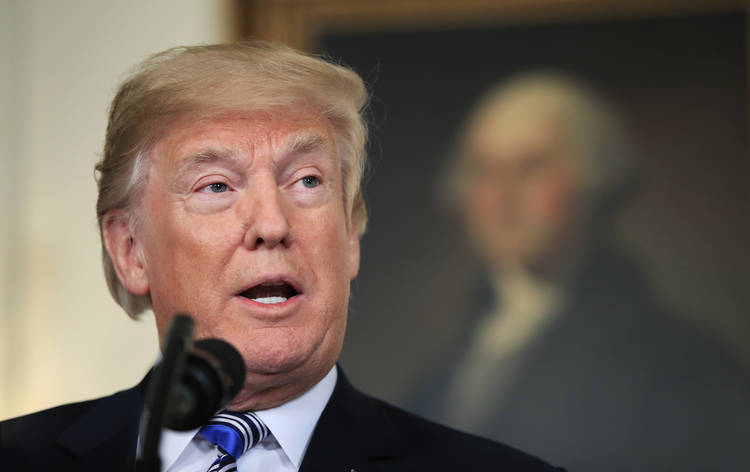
[
  {"x": 510, "y": 133},
  {"x": 240, "y": 133}
]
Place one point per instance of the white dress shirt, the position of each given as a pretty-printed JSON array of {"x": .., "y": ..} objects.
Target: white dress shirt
[
  {"x": 291, "y": 426},
  {"x": 488, "y": 370}
]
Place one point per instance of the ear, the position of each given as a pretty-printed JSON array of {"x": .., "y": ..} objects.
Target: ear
[
  {"x": 353, "y": 248},
  {"x": 122, "y": 246}
]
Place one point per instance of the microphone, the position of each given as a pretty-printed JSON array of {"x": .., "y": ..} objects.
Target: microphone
[
  {"x": 187, "y": 388},
  {"x": 213, "y": 374}
]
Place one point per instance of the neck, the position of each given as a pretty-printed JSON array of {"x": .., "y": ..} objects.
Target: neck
[{"x": 264, "y": 391}]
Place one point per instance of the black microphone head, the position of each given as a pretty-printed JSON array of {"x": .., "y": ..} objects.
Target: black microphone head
[
  {"x": 214, "y": 373},
  {"x": 227, "y": 362}
]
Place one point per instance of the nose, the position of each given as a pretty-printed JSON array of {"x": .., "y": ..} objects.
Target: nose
[{"x": 267, "y": 219}]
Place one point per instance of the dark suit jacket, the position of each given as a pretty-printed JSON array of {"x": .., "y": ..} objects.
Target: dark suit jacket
[
  {"x": 617, "y": 382},
  {"x": 355, "y": 432}
]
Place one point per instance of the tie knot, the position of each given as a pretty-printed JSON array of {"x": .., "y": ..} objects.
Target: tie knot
[{"x": 234, "y": 433}]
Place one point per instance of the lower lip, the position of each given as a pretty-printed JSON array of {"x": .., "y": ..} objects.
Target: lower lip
[{"x": 269, "y": 307}]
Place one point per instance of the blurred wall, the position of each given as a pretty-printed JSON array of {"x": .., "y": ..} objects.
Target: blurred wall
[{"x": 62, "y": 338}]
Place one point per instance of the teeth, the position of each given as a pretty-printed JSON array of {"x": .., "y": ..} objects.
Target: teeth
[{"x": 270, "y": 300}]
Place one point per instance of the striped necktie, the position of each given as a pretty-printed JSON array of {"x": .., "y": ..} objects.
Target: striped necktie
[{"x": 233, "y": 434}]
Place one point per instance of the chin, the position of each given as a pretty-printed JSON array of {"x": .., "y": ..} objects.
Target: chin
[
  {"x": 274, "y": 356},
  {"x": 274, "y": 365}
]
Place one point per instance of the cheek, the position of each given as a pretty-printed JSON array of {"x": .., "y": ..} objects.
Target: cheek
[
  {"x": 331, "y": 263},
  {"x": 185, "y": 243},
  {"x": 479, "y": 204},
  {"x": 323, "y": 236},
  {"x": 485, "y": 194},
  {"x": 550, "y": 202},
  {"x": 190, "y": 255}
]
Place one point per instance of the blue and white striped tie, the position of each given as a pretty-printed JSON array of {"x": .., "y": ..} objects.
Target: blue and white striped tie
[{"x": 233, "y": 434}]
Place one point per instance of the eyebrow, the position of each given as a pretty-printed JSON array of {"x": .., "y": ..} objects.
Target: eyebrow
[
  {"x": 203, "y": 156},
  {"x": 304, "y": 142}
]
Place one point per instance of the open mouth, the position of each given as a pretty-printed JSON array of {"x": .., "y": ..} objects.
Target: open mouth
[{"x": 270, "y": 293}]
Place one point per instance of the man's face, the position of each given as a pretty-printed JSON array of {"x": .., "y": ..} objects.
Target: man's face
[
  {"x": 520, "y": 199},
  {"x": 243, "y": 226}
]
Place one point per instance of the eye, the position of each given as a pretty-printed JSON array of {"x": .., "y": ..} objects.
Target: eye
[
  {"x": 310, "y": 181},
  {"x": 216, "y": 187}
]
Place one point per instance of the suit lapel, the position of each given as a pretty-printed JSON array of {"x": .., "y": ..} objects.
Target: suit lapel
[
  {"x": 353, "y": 433},
  {"x": 107, "y": 433}
]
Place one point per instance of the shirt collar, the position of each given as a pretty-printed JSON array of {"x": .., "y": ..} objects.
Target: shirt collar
[{"x": 291, "y": 423}]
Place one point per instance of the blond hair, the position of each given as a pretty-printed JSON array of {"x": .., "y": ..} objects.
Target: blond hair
[{"x": 197, "y": 81}]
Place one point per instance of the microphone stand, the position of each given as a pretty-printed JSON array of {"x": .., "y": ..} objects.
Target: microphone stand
[{"x": 178, "y": 345}]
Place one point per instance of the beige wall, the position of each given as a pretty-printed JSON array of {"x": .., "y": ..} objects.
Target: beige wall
[{"x": 61, "y": 337}]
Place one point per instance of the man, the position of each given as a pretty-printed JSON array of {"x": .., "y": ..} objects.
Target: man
[
  {"x": 567, "y": 350},
  {"x": 229, "y": 189}
]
